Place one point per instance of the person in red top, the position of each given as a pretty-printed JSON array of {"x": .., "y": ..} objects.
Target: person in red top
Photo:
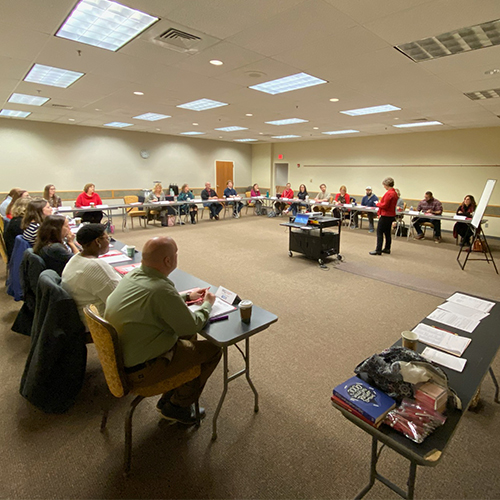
[
  {"x": 387, "y": 214},
  {"x": 287, "y": 193},
  {"x": 89, "y": 198}
]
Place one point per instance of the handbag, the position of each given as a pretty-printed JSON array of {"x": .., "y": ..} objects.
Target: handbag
[{"x": 478, "y": 246}]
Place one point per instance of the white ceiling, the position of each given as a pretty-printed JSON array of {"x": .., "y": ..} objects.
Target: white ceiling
[{"x": 349, "y": 43}]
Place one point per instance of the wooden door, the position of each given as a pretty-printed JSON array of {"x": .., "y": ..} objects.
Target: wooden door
[{"x": 224, "y": 171}]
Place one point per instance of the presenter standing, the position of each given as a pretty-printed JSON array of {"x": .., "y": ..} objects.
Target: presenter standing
[{"x": 387, "y": 214}]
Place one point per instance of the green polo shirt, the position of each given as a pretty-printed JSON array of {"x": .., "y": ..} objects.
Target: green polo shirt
[{"x": 150, "y": 315}]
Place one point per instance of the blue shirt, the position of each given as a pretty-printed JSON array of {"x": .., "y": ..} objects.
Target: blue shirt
[
  {"x": 230, "y": 192},
  {"x": 369, "y": 201}
]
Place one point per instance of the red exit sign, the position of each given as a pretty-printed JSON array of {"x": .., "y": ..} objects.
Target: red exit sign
[{"x": 280, "y": 157}]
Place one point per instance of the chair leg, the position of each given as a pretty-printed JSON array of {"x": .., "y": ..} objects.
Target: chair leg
[
  {"x": 128, "y": 434},
  {"x": 104, "y": 420},
  {"x": 197, "y": 412}
]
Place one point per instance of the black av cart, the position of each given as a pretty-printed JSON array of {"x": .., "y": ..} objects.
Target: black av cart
[{"x": 317, "y": 239}]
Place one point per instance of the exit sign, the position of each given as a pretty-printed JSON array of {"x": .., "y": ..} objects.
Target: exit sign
[{"x": 280, "y": 157}]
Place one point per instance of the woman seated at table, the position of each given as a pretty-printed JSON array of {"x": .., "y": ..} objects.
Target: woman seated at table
[
  {"x": 88, "y": 279},
  {"x": 13, "y": 228},
  {"x": 301, "y": 195},
  {"x": 229, "y": 193},
  {"x": 55, "y": 243},
  {"x": 36, "y": 211},
  {"x": 159, "y": 213},
  {"x": 255, "y": 191},
  {"x": 89, "y": 198},
  {"x": 16, "y": 194},
  {"x": 341, "y": 198},
  {"x": 466, "y": 209},
  {"x": 185, "y": 195},
  {"x": 49, "y": 193},
  {"x": 281, "y": 205}
]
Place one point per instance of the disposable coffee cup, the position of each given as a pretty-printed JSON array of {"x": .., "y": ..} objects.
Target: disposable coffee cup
[
  {"x": 410, "y": 340},
  {"x": 78, "y": 221},
  {"x": 246, "y": 310},
  {"x": 131, "y": 251},
  {"x": 92, "y": 205}
]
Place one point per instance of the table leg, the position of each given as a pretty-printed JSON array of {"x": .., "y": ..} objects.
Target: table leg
[
  {"x": 373, "y": 471},
  {"x": 495, "y": 383},
  {"x": 247, "y": 375},
  {"x": 224, "y": 392}
]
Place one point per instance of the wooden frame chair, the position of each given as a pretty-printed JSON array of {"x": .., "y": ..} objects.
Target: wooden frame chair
[
  {"x": 250, "y": 204},
  {"x": 111, "y": 358},
  {"x": 135, "y": 211}
]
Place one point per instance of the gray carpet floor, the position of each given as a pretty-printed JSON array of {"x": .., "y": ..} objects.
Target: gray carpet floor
[{"x": 297, "y": 446}]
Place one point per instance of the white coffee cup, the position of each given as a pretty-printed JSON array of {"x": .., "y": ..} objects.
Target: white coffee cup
[
  {"x": 410, "y": 340},
  {"x": 245, "y": 307}
]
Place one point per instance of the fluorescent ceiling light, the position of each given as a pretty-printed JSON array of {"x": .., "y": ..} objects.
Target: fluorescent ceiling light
[
  {"x": 370, "y": 111},
  {"x": 288, "y": 121},
  {"x": 338, "y": 132},
  {"x": 249, "y": 114},
  {"x": 14, "y": 114},
  {"x": 104, "y": 24},
  {"x": 202, "y": 105},
  {"x": 458, "y": 41},
  {"x": 118, "y": 124},
  {"x": 192, "y": 133},
  {"x": 334, "y": 99},
  {"x": 288, "y": 83},
  {"x": 31, "y": 100},
  {"x": 245, "y": 140},
  {"x": 483, "y": 94},
  {"x": 138, "y": 93},
  {"x": 151, "y": 117},
  {"x": 216, "y": 62},
  {"x": 231, "y": 129},
  {"x": 55, "y": 77},
  {"x": 417, "y": 124},
  {"x": 285, "y": 136}
]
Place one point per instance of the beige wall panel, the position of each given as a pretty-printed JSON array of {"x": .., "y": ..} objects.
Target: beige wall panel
[{"x": 262, "y": 164}]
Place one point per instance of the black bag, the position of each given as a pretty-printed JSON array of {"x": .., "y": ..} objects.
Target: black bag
[{"x": 401, "y": 229}]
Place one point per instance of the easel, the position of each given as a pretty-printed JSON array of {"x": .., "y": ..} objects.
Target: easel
[{"x": 480, "y": 237}]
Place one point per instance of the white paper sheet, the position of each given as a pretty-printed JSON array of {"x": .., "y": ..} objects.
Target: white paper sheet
[
  {"x": 454, "y": 320},
  {"x": 460, "y": 217},
  {"x": 465, "y": 311},
  {"x": 218, "y": 309},
  {"x": 413, "y": 212},
  {"x": 468, "y": 301},
  {"x": 454, "y": 344},
  {"x": 443, "y": 359}
]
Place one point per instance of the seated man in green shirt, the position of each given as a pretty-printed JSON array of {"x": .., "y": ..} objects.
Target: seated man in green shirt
[{"x": 157, "y": 331}]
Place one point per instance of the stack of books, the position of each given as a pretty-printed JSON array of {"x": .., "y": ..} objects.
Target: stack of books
[{"x": 363, "y": 400}]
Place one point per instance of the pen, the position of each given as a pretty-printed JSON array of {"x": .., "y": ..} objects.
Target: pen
[
  {"x": 220, "y": 318},
  {"x": 442, "y": 329}
]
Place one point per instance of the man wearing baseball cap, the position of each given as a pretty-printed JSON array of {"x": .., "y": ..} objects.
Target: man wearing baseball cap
[{"x": 370, "y": 200}]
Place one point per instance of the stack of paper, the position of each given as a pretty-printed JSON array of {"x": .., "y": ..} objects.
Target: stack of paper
[
  {"x": 443, "y": 359},
  {"x": 435, "y": 337},
  {"x": 466, "y": 300},
  {"x": 455, "y": 320}
]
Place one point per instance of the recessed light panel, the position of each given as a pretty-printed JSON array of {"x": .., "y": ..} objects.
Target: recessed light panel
[
  {"x": 288, "y": 83},
  {"x": 285, "y": 136},
  {"x": 231, "y": 129},
  {"x": 118, "y": 124},
  {"x": 104, "y": 24},
  {"x": 288, "y": 121},
  {"x": 216, "y": 62},
  {"x": 192, "y": 133},
  {"x": 483, "y": 94},
  {"x": 417, "y": 124},
  {"x": 465, "y": 39},
  {"x": 245, "y": 140},
  {"x": 31, "y": 100},
  {"x": 370, "y": 111},
  {"x": 339, "y": 132},
  {"x": 14, "y": 114},
  {"x": 202, "y": 105},
  {"x": 54, "y": 77},
  {"x": 151, "y": 117}
]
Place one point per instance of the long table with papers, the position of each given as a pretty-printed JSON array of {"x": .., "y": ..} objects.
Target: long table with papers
[{"x": 482, "y": 346}]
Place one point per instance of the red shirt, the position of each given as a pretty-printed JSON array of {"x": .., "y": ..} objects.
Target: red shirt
[
  {"x": 347, "y": 198},
  {"x": 287, "y": 193},
  {"x": 84, "y": 200},
  {"x": 387, "y": 205}
]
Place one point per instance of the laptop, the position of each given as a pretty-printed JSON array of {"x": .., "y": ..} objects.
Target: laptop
[{"x": 300, "y": 222}]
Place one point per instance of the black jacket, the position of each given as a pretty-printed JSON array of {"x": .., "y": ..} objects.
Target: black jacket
[{"x": 55, "y": 368}]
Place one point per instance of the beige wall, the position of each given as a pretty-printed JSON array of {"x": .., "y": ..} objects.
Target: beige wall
[
  {"x": 262, "y": 155},
  {"x": 449, "y": 163},
  {"x": 34, "y": 154}
]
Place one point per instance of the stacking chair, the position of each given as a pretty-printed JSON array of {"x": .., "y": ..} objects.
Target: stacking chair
[
  {"x": 109, "y": 352},
  {"x": 134, "y": 212},
  {"x": 250, "y": 204}
]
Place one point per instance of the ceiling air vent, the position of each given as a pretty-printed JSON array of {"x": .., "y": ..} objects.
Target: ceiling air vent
[
  {"x": 178, "y": 40},
  {"x": 483, "y": 94},
  {"x": 62, "y": 106},
  {"x": 462, "y": 40}
]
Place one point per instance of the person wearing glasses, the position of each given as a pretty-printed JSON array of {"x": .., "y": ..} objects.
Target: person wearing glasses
[{"x": 88, "y": 279}]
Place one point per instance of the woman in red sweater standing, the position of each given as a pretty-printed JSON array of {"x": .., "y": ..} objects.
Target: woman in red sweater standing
[
  {"x": 387, "y": 214},
  {"x": 89, "y": 198}
]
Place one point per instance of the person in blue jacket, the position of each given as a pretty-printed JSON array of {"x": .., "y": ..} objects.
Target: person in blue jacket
[
  {"x": 185, "y": 195},
  {"x": 369, "y": 200},
  {"x": 229, "y": 193}
]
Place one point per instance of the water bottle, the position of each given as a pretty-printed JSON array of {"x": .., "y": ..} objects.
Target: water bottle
[
  {"x": 267, "y": 194},
  {"x": 171, "y": 192}
]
